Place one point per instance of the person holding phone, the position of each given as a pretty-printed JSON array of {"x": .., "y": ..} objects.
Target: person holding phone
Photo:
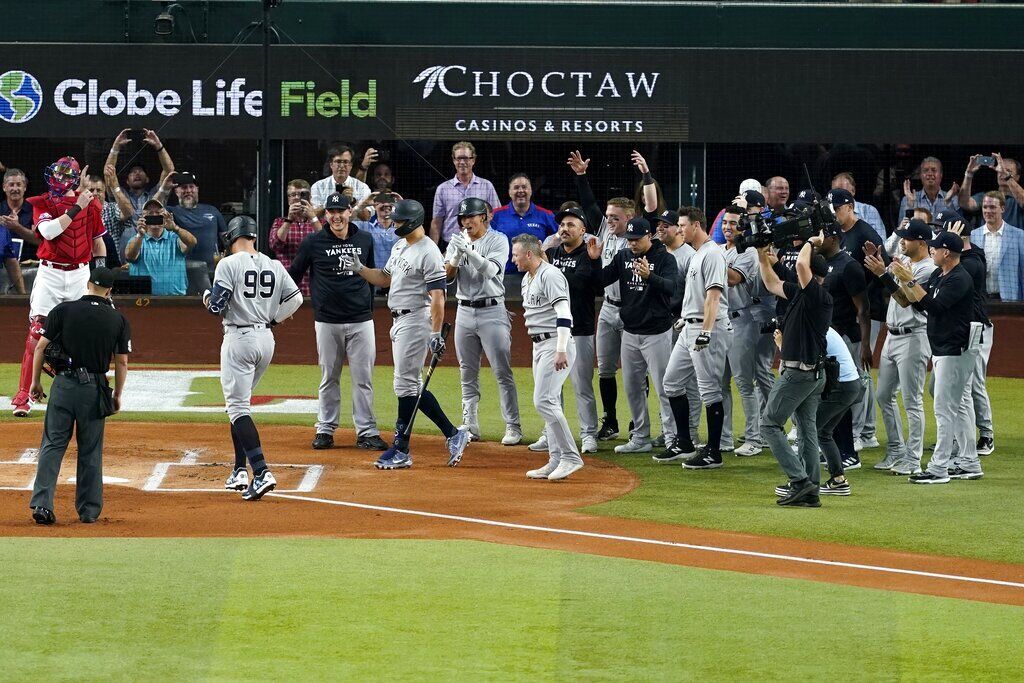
[
  {"x": 340, "y": 160},
  {"x": 288, "y": 231},
  {"x": 1007, "y": 174},
  {"x": 158, "y": 250},
  {"x": 137, "y": 185}
]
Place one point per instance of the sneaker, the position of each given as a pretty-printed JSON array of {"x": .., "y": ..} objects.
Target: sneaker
[
  {"x": 43, "y": 516},
  {"x": 634, "y": 446},
  {"x": 834, "y": 488},
  {"x": 675, "y": 452},
  {"x": 887, "y": 462},
  {"x": 371, "y": 443},
  {"x": 792, "y": 437},
  {"x": 870, "y": 442},
  {"x": 588, "y": 444},
  {"x": 540, "y": 445},
  {"x": 513, "y": 436},
  {"x": 707, "y": 459},
  {"x": 960, "y": 473},
  {"x": 658, "y": 441},
  {"x": 469, "y": 418},
  {"x": 322, "y": 441},
  {"x": 22, "y": 403},
  {"x": 260, "y": 485},
  {"x": 927, "y": 478},
  {"x": 238, "y": 481},
  {"x": 858, "y": 445},
  {"x": 543, "y": 472},
  {"x": 609, "y": 430},
  {"x": 905, "y": 468},
  {"x": 785, "y": 489},
  {"x": 986, "y": 445},
  {"x": 564, "y": 469},
  {"x": 457, "y": 446},
  {"x": 851, "y": 462},
  {"x": 727, "y": 449},
  {"x": 805, "y": 495},
  {"x": 393, "y": 459},
  {"x": 748, "y": 449}
]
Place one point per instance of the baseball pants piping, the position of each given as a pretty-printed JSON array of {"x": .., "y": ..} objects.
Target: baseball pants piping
[
  {"x": 336, "y": 343},
  {"x": 486, "y": 331}
]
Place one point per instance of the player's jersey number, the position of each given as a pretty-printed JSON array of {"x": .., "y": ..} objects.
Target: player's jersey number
[{"x": 258, "y": 284}]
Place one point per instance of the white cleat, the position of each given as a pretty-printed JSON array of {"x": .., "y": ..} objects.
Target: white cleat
[
  {"x": 540, "y": 445},
  {"x": 513, "y": 436},
  {"x": 633, "y": 446},
  {"x": 543, "y": 472},
  {"x": 748, "y": 449},
  {"x": 563, "y": 470},
  {"x": 589, "y": 444},
  {"x": 238, "y": 481}
]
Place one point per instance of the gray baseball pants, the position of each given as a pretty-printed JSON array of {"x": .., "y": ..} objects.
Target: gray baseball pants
[
  {"x": 486, "y": 331},
  {"x": 547, "y": 398},
  {"x": 692, "y": 396},
  {"x": 954, "y": 413},
  {"x": 643, "y": 354},
  {"x": 336, "y": 343},
  {"x": 741, "y": 362},
  {"x": 582, "y": 377},
  {"x": 409, "y": 337},
  {"x": 245, "y": 354},
  {"x": 796, "y": 394},
  {"x": 708, "y": 365},
  {"x": 903, "y": 368},
  {"x": 979, "y": 392},
  {"x": 864, "y": 411}
]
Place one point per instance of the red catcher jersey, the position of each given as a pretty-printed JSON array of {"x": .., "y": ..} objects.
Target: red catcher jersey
[{"x": 74, "y": 245}]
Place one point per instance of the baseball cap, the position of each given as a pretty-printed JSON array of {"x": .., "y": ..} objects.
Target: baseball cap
[
  {"x": 917, "y": 229},
  {"x": 185, "y": 178},
  {"x": 574, "y": 212},
  {"x": 942, "y": 218},
  {"x": 102, "y": 277},
  {"x": 754, "y": 198},
  {"x": 750, "y": 184},
  {"x": 153, "y": 203},
  {"x": 947, "y": 240},
  {"x": 819, "y": 266},
  {"x": 637, "y": 228},
  {"x": 807, "y": 196},
  {"x": 338, "y": 201},
  {"x": 667, "y": 216},
  {"x": 839, "y": 197}
]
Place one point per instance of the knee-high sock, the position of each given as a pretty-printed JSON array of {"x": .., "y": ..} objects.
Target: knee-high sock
[
  {"x": 609, "y": 395},
  {"x": 406, "y": 406},
  {"x": 716, "y": 418},
  {"x": 239, "y": 451},
  {"x": 681, "y": 412},
  {"x": 432, "y": 409},
  {"x": 249, "y": 438},
  {"x": 35, "y": 331}
]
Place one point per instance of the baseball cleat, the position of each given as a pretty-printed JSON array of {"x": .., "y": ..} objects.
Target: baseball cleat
[
  {"x": 927, "y": 478},
  {"x": 543, "y": 472},
  {"x": 588, "y": 444},
  {"x": 675, "y": 452},
  {"x": 513, "y": 436},
  {"x": 960, "y": 473},
  {"x": 540, "y": 444},
  {"x": 564, "y": 469},
  {"x": 43, "y": 516},
  {"x": 238, "y": 481},
  {"x": 609, "y": 430},
  {"x": 474, "y": 432},
  {"x": 261, "y": 485},
  {"x": 393, "y": 459},
  {"x": 986, "y": 445},
  {"x": 22, "y": 403},
  {"x": 706, "y": 459},
  {"x": 322, "y": 441},
  {"x": 887, "y": 462},
  {"x": 658, "y": 441},
  {"x": 748, "y": 449},
  {"x": 457, "y": 446},
  {"x": 371, "y": 443},
  {"x": 905, "y": 468},
  {"x": 634, "y": 446}
]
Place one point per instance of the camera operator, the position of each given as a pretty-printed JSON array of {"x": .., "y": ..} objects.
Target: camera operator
[{"x": 797, "y": 391}]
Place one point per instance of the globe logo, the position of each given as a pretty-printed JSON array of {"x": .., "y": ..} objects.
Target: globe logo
[{"x": 21, "y": 96}]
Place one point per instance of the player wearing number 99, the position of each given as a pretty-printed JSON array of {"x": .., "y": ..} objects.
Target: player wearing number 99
[{"x": 252, "y": 292}]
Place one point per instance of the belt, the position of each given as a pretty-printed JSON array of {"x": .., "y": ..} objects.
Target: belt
[
  {"x": 798, "y": 365},
  {"x": 613, "y": 302},
  {"x": 395, "y": 313},
  {"x": 693, "y": 320},
  {"x": 903, "y": 330},
  {"x": 543, "y": 336},
  {"x": 73, "y": 374},
  {"x": 63, "y": 266},
  {"x": 254, "y": 326},
  {"x": 479, "y": 303}
]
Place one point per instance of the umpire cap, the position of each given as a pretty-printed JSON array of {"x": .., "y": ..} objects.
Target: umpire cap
[
  {"x": 411, "y": 212},
  {"x": 471, "y": 206},
  {"x": 239, "y": 226}
]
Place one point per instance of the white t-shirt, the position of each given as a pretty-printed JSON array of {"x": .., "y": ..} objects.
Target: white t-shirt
[{"x": 324, "y": 188}]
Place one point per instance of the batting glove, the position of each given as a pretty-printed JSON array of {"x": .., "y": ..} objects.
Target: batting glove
[
  {"x": 350, "y": 262},
  {"x": 678, "y": 325},
  {"x": 436, "y": 343},
  {"x": 459, "y": 243},
  {"x": 702, "y": 342}
]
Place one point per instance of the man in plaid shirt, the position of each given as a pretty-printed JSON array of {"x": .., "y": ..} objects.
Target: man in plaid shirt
[
  {"x": 287, "y": 232},
  {"x": 116, "y": 216}
]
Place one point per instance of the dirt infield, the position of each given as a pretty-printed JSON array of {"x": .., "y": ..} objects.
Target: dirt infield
[{"x": 168, "y": 482}]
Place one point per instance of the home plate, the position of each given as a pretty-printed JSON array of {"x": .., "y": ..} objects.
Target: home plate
[{"x": 106, "y": 480}]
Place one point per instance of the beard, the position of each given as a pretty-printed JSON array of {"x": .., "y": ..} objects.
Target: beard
[{"x": 188, "y": 202}]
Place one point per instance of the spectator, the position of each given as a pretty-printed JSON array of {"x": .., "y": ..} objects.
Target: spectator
[
  {"x": 450, "y": 193},
  {"x": 380, "y": 226},
  {"x": 864, "y": 212},
  {"x": 716, "y": 225},
  {"x": 203, "y": 221},
  {"x": 10, "y": 257},
  {"x": 1008, "y": 175},
  {"x": 115, "y": 218},
  {"x": 158, "y": 250},
  {"x": 374, "y": 168},
  {"x": 287, "y": 232},
  {"x": 777, "y": 193},
  {"x": 382, "y": 179},
  {"x": 137, "y": 181},
  {"x": 16, "y": 213},
  {"x": 1004, "y": 249},
  {"x": 930, "y": 196},
  {"x": 340, "y": 160},
  {"x": 521, "y": 215}
]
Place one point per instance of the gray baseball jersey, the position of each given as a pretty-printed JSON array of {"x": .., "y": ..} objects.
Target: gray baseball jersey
[
  {"x": 258, "y": 285},
  {"x": 414, "y": 270},
  {"x": 897, "y": 316},
  {"x": 683, "y": 255},
  {"x": 742, "y": 295},
  {"x": 541, "y": 292},
  {"x": 612, "y": 246},
  {"x": 707, "y": 270},
  {"x": 472, "y": 285}
]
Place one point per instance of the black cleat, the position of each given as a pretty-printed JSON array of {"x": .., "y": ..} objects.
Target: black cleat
[
  {"x": 43, "y": 516},
  {"x": 370, "y": 443},
  {"x": 801, "y": 496},
  {"x": 676, "y": 451},
  {"x": 707, "y": 459},
  {"x": 609, "y": 430},
  {"x": 323, "y": 441},
  {"x": 986, "y": 445}
]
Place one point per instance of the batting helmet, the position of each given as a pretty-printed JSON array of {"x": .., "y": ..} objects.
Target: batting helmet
[
  {"x": 410, "y": 211},
  {"x": 239, "y": 226},
  {"x": 471, "y": 206}
]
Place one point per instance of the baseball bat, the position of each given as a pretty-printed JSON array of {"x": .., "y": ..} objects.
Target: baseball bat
[{"x": 434, "y": 360}]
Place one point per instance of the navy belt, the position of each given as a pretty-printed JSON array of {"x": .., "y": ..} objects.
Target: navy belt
[
  {"x": 897, "y": 331},
  {"x": 693, "y": 320},
  {"x": 479, "y": 303},
  {"x": 398, "y": 314},
  {"x": 542, "y": 337},
  {"x": 613, "y": 302}
]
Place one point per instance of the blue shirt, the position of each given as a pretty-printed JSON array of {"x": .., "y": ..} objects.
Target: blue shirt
[
  {"x": 207, "y": 224},
  {"x": 537, "y": 221},
  {"x": 28, "y": 251},
  {"x": 7, "y": 249},
  {"x": 836, "y": 347},
  {"x": 383, "y": 240},
  {"x": 161, "y": 259}
]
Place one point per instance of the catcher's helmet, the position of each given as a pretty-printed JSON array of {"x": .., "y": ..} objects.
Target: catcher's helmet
[
  {"x": 471, "y": 206},
  {"x": 410, "y": 211},
  {"x": 62, "y": 175},
  {"x": 239, "y": 226}
]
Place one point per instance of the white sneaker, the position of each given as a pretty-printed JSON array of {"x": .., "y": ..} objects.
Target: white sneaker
[
  {"x": 564, "y": 469},
  {"x": 748, "y": 449},
  {"x": 540, "y": 444},
  {"x": 513, "y": 435},
  {"x": 589, "y": 444},
  {"x": 858, "y": 445},
  {"x": 238, "y": 481},
  {"x": 469, "y": 418},
  {"x": 869, "y": 443},
  {"x": 791, "y": 437},
  {"x": 887, "y": 462},
  {"x": 543, "y": 472},
  {"x": 633, "y": 446}
]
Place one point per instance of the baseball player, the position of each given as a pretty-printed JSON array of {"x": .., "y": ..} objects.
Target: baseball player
[
  {"x": 343, "y": 319},
  {"x": 475, "y": 259},
  {"x": 548, "y": 321},
  {"x": 415, "y": 279},
  {"x": 71, "y": 233},
  {"x": 905, "y": 354},
  {"x": 702, "y": 345},
  {"x": 253, "y": 292}
]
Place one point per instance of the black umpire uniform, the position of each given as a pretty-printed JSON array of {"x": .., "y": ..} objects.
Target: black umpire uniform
[{"x": 79, "y": 339}]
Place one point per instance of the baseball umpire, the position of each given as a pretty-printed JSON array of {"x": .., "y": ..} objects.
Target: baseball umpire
[
  {"x": 475, "y": 259},
  {"x": 253, "y": 292},
  {"x": 343, "y": 319},
  {"x": 415, "y": 278}
]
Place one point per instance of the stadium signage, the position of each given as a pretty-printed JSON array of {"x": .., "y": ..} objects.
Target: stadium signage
[
  {"x": 460, "y": 81},
  {"x": 75, "y": 97}
]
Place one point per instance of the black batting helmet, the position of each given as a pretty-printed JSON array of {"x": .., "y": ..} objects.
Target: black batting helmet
[
  {"x": 410, "y": 211},
  {"x": 239, "y": 226},
  {"x": 471, "y": 206}
]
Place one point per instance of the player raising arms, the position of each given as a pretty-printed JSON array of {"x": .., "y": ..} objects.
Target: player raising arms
[{"x": 253, "y": 292}]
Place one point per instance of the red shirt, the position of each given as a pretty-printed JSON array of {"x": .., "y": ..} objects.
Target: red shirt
[
  {"x": 286, "y": 249},
  {"x": 74, "y": 245}
]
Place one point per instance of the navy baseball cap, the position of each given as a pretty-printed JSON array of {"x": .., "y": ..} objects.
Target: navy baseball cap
[
  {"x": 807, "y": 196},
  {"x": 670, "y": 217},
  {"x": 946, "y": 216},
  {"x": 754, "y": 198},
  {"x": 184, "y": 178},
  {"x": 338, "y": 201},
  {"x": 637, "y": 228},
  {"x": 839, "y": 197},
  {"x": 574, "y": 212},
  {"x": 947, "y": 240},
  {"x": 102, "y": 277},
  {"x": 916, "y": 229}
]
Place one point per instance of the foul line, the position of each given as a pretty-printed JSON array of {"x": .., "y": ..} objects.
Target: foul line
[{"x": 652, "y": 541}]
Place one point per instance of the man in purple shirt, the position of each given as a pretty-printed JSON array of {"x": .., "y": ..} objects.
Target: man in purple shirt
[
  {"x": 521, "y": 215},
  {"x": 450, "y": 193}
]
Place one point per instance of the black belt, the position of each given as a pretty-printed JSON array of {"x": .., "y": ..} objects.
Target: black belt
[
  {"x": 479, "y": 303},
  {"x": 693, "y": 320},
  {"x": 73, "y": 374},
  {"x": 399, "y": 314},
  {"x": 542, "y": 337},
  {"x": 613, "y": 302},
  {"x": 258, "y": 326},
  {"x": 903, "y": 330},
  {"x": 798, "y": 365}
]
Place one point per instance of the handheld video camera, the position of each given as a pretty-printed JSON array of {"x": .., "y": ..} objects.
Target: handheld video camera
[{"x": 794, "y": 224}]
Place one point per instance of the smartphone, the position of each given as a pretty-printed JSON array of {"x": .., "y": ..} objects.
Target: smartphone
[
  {"x": 136, "y": 135},
  {"x": 987, "y": 161},
  {"x": 154, "y": 220},
  {"x": 339, "y": 187},
  {"x": 909, "y": 213},
  {"x": 304, "y": 194}
]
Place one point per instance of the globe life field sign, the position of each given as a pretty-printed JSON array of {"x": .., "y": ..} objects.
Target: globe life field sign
[{"x": 21, "y": 96}]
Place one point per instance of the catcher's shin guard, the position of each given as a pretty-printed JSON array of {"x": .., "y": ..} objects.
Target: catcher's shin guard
[{"x": 35, "y": 333}]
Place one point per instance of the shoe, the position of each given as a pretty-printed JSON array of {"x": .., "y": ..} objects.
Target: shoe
[
  {"x": 986, "y": 445},
  {"x": 801, "y": 496},
  {"x": 858, "y": 445},
  {"x": 588, "y": 444},
  {"x": 457, "y": 446},
  {"x": 960, "y": 473},
  {"x": 260, "y": 486},
  {"x": 87, "y": 520},
  {"x": 513, "y": 436},
  {"x": 707, "y": 459},
  {"x": 851, "y": 462},
  {"x": 393, "y": 459},
  {"x": 748, "y": 449},
  {"x": 675, "y": 452},
  {"x": 633, "y": 446},
  {"x": 658, "y": 441},
  {"x": 834, "y": 488},
  {"x": 791, "y": 437},
  {"x": 371, "y": 443},
  {"x": 928, "y": 478},
  {"x": 887, "y": 462},
  {"x": 871, "y": 442},
  {"x": 905, "y": 468},
  {"x": 785, "y": 489},
  {"x": 726, "y": 449},
  {"x": 564, "y": 469},
  {"x": 470, "y": 419},
  {"x": 474, "y": 432},
  {"x": 609, "y": 430},
  {"x": 322, "y": 441},
  {"x": 238, "y": 481},
  {"x": 540, "y": 445},
  {"x": 22, "y": 403},
  {"x": 543, "y": 472},
  {"x": 43, "y": 516}
]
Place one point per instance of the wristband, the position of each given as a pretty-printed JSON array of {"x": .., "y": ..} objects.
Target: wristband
[
  {"x": 73, "y": 211},
  {"x": 160, "y": 149},
  {"x": 99, "y": 262},
  {"x": 117, "y": 188},
  {"x": 889, "y": 282},
  {"x": 648, "y": 179},
  {"x": 968, "y": 174}
]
